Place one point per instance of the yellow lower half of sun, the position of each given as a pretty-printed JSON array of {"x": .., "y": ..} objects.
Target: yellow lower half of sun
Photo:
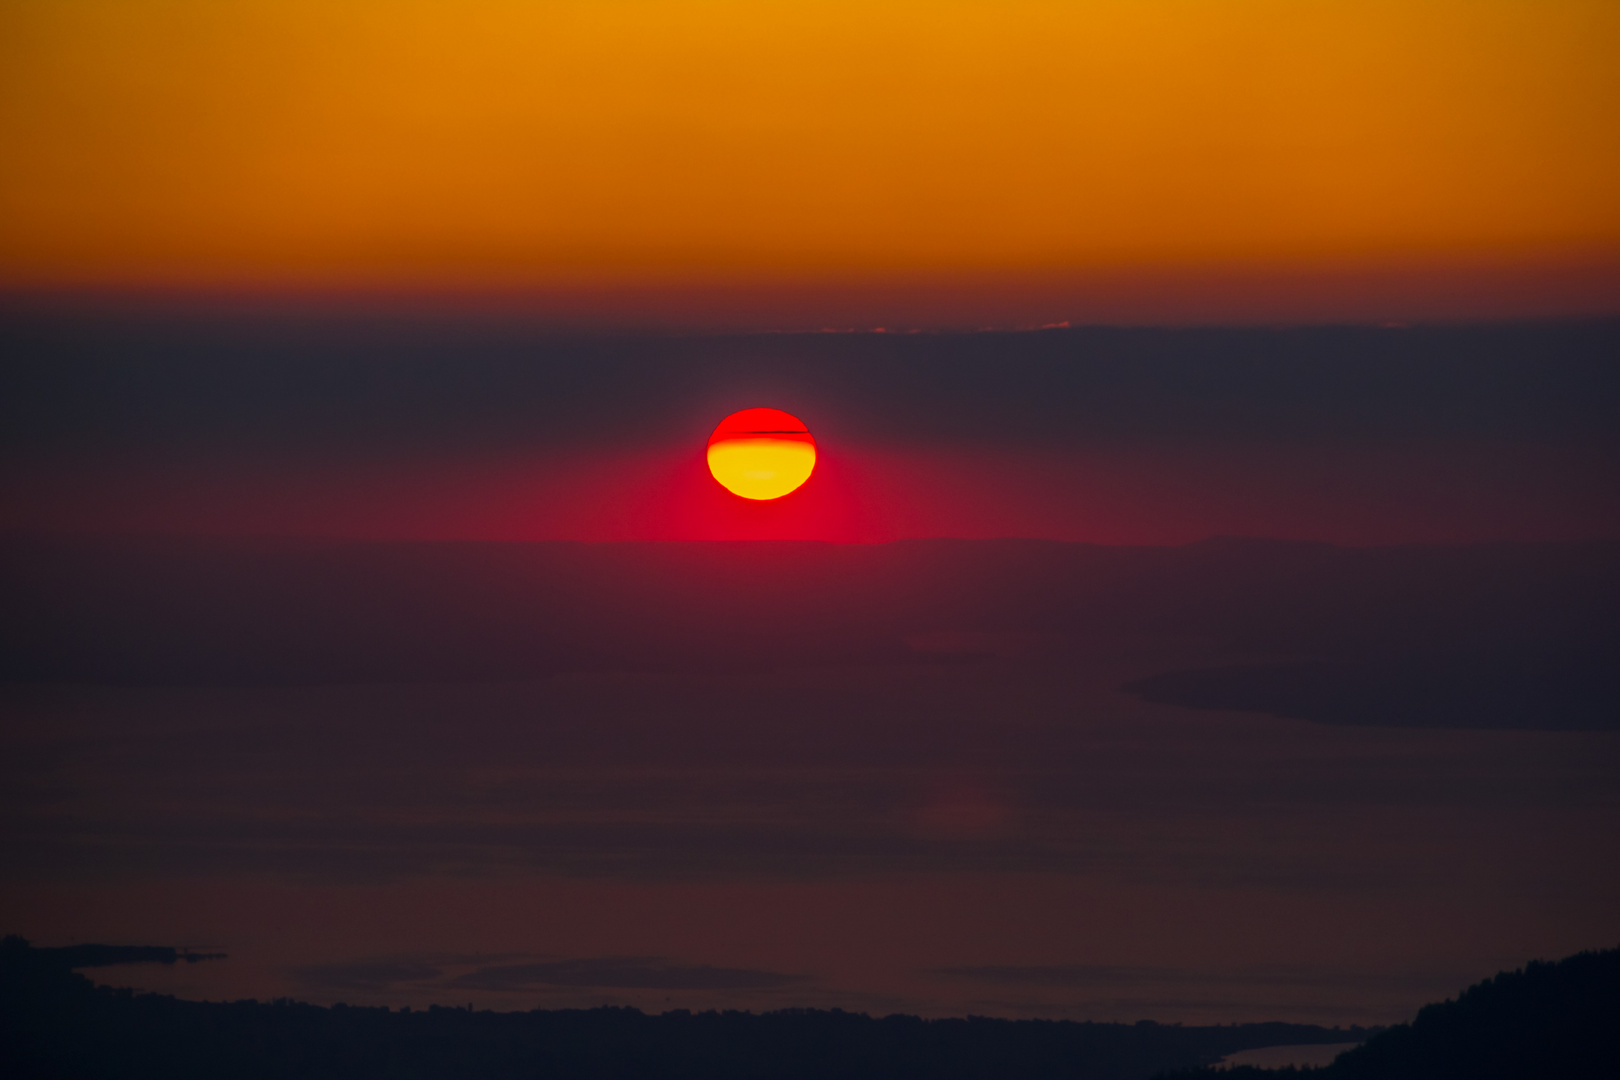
[{"x": 761, "y": 468}]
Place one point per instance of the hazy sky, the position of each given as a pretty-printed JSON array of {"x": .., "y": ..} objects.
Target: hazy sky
[
  {"x": 390, "y": 427},
  {"x": 878, "y": 776}
]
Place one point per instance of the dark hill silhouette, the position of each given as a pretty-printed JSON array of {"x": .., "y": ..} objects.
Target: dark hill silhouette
[
  {"x": 56, "y": 1023},
  {"x": 1559, "y": 1021}
]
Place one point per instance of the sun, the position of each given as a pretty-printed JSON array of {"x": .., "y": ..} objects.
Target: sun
[{"x": 762, "y": 453}]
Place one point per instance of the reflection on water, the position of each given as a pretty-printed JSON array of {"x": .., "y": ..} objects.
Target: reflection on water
[{"x": 1278, "y": 1057}]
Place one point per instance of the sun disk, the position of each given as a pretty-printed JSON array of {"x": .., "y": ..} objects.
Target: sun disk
[{"x": 761, "y": 454}]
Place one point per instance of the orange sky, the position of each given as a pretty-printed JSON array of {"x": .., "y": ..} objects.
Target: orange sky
[{"x": 535, "y": 145}]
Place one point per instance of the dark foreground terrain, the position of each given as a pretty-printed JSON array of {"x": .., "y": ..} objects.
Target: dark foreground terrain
[
  {"x": 1560, "y": 1021},
  {"x": 1554, "y": 1020},
  {"x": 56, "y": 1023}
]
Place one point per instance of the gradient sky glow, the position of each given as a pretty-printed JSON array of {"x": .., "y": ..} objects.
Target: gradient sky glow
[
  {"x": 1207, "y": 615},
  {"x": 644, "y": 146}
]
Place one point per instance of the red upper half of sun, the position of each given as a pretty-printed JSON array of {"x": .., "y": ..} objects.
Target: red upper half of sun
[{"x": 751, "y": 423}]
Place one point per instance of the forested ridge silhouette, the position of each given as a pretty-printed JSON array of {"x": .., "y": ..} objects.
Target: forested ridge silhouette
[
  {"x": 56, "y": 1023},
  {"x": 1545, "y": 1021}
]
